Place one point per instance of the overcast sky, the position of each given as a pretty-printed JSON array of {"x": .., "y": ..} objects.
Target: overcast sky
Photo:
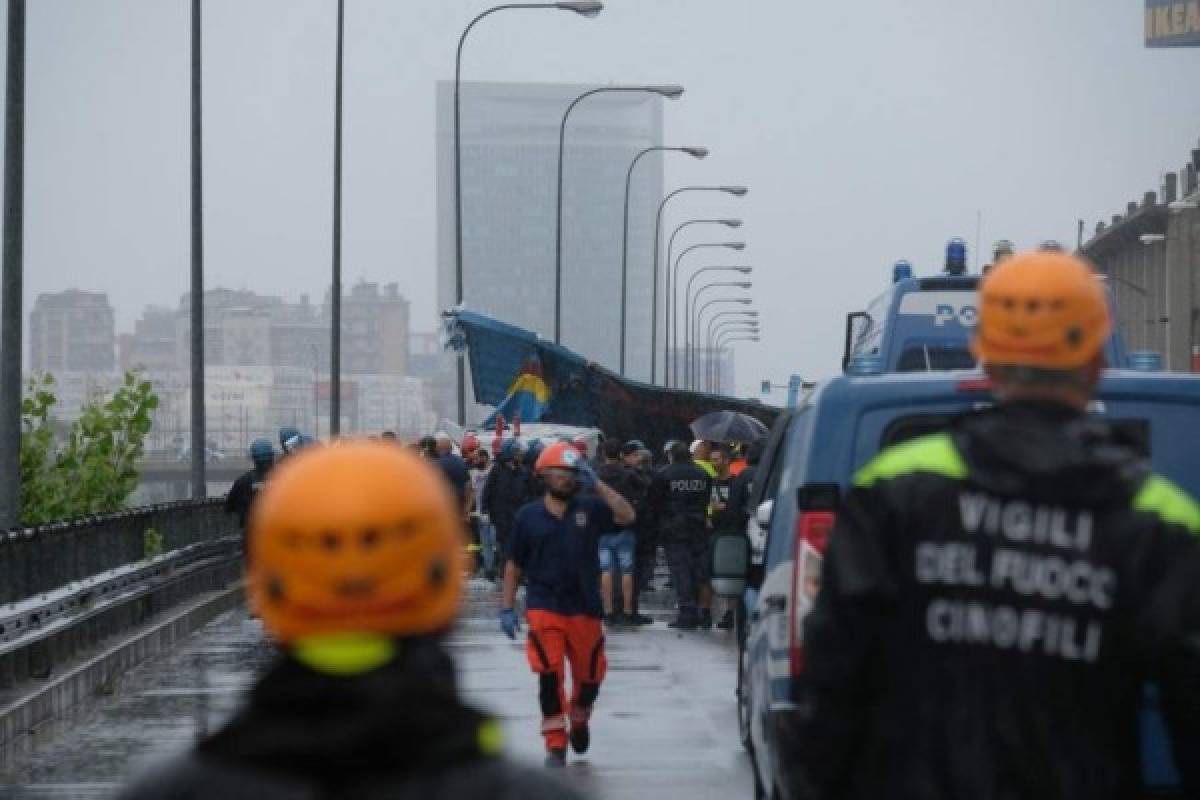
[{"x": 867, "y": 131}]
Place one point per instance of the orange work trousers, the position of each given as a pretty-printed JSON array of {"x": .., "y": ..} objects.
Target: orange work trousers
[{"x": 576, "y": 640}]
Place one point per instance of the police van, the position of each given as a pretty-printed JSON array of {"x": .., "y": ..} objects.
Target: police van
[
  {"x": 925, "y": 324},
  {"x": 809, "y": 461}
]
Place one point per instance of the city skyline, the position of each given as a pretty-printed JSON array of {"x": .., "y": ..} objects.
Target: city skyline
[{"x": 865, "y": 137}]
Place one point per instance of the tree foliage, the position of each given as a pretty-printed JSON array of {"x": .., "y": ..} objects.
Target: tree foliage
[{"x": 92, "y": 466}]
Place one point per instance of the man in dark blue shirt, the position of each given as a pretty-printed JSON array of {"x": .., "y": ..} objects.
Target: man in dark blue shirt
[{"x": 555, "y": 545}]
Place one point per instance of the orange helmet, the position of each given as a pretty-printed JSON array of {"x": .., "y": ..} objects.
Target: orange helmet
[
  {"x": 1041, "y": 309},
  {"x": 470, "y": 443},
  {"x": 357, "y": 539},
  {"x": 560, "y": 455}
]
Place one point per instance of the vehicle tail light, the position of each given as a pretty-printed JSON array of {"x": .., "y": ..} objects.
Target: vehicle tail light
[
  {"x": 812, "y": 537},
  {"x": 974, "y": 385}
]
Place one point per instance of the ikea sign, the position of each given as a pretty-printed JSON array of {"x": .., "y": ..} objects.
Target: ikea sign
[{"x": 1173, "y": 23}]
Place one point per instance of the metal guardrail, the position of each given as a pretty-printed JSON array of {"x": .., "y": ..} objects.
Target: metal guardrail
[
  {"x": 39, "y": 559},
  {"x": 69, "y": 587}
]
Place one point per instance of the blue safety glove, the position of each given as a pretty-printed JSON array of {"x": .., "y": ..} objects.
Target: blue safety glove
[
  {"x": 587, "y": 475},
  {"x": 509, "y": 623}
]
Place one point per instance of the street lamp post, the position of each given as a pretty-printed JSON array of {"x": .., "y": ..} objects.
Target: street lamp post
[
  {"x": 670, "y": 92},
  {"x": 672, "y": 338},
  {"x": 694, "y": 152},
  {"x": 688, "y": 289},
  {"x": 736, "y": 191},
  {"x": 721, "y": 319},
  {"x": 669, "y": 312},
  {"x": 692, "y": 334},
  {"x": 739, "y": 338},
  {"x": 14, "y": 210},
  {"x": 335, "y": 318},
  {"x": 199, "y": 416},
  {"x": 584, "y": 9},
  {"x": 715, "y": 332}
]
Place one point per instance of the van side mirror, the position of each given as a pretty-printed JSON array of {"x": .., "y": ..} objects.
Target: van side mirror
[
  {"x": 730, "y": 564},
  {"x": 762, "y": 514}
]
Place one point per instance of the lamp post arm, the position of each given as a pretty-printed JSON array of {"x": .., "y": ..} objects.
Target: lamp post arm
[
  {"x": 686, "y": 307},
  {"x": 715, "y": 332},
  {"x": 724, "y": 345},
  {"x": 625, "y": 253},
  {"x": 692, "y": 334},
  {"x": 458, "y": 131},
  {"x": 562, "y": 137},
  {"x": 695, "y": 323},
  {"x": 562, "y": 140},
  {"x": 666, "y": 293},
  {"x": 458, "y": 207},
  {"x": 672, "y": 310}
]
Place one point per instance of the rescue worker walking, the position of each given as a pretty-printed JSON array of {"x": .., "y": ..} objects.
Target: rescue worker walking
[
  {"x": 996, "y": 596},
  {"x": 555, "y": 545},
  {"x": 678, "y": 501},
  {"x": 357, "y": 574}
]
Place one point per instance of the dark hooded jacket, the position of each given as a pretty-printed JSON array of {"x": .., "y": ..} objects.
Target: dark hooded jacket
[
  {"x": 397, "y": 732},
  {"x": 994, "y": 601},
  {"x": 506, "y": 490},
  {"x": 743, "y": 485}
]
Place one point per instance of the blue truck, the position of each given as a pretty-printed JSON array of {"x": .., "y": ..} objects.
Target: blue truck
[{"x": 809, "y": 461}]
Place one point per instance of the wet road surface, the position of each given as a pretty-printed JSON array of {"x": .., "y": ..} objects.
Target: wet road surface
[{"x": 664, "y": 726}]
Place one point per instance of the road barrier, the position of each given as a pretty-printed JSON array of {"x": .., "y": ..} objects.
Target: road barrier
[
  {"x": 40, "y": 559},
  {"x": 71, "y": 589}
]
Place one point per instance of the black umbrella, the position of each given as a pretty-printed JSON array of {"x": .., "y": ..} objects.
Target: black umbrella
[{"x": 728, "y": 426}]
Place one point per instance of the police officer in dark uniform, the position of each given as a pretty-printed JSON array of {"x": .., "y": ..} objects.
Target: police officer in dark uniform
[
  {"x": 503, "y": 495},
  {"x": 678, "y": 501},
  {"x": 995, "y": 597}
]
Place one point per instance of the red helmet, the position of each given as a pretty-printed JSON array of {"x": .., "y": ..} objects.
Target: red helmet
[
  {"x": 470, "y": 444},
  {"x": 560, "y": 455}
]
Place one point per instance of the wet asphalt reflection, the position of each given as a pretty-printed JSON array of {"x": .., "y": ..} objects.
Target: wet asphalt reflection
[{"x": 664, "y": 725}]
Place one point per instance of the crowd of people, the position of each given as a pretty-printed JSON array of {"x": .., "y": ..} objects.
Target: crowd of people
[
  {"x": 580, "y": 523},
  {"x": 694, "y": 492}
]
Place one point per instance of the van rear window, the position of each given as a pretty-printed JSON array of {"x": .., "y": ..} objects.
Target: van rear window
[{"x": 927, "y": 358}]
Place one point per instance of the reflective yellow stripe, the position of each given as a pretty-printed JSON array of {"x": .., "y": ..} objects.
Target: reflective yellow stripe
[
  {"x": 490, "y": 738},
  {"x": 344, "y": 653},
  {"x": 1159, "y": 496},
  {"x": 935, "y": 453}
]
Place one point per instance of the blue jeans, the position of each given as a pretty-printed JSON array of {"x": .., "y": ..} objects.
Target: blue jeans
[
  {"x": 487, "y": 545},
  {"x": 617, "y": 548}
]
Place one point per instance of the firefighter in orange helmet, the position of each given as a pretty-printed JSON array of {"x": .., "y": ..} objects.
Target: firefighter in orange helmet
[
  {"x": 555, "y": 546},
  {"x": 996, "y": 595},
  {"x": 357, "y": 574}
]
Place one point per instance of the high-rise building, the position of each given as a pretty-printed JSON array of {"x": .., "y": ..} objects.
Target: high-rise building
[
  {"x": 72, "y": 331},
  {"x": 375, "y": 330},
  {"x": 510, "y": 135},
  {"x": 152, "y": 346},
  {"x": 300, "y": 335}
]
